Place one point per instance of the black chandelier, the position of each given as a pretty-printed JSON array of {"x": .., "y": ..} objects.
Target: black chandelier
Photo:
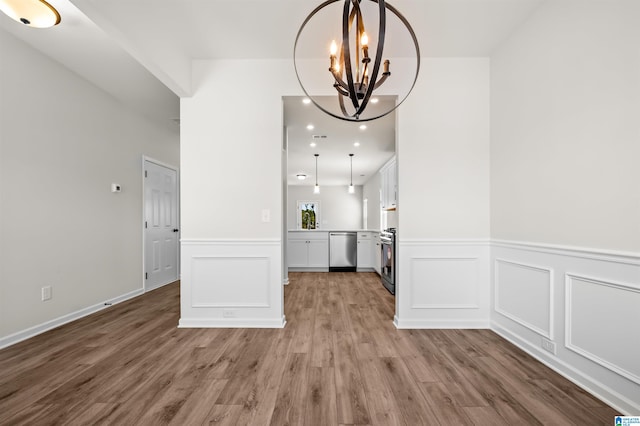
[{"x": 355, "y": 74}]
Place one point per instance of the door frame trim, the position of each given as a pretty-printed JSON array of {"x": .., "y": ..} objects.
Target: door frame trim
[{"x": 146, "y": 159}]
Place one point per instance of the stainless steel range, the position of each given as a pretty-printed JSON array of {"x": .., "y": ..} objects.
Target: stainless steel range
[{"x": 388, "y": 259}]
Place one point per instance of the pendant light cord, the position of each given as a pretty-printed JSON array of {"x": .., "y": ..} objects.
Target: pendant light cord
[{"x": 351, "y": 181}]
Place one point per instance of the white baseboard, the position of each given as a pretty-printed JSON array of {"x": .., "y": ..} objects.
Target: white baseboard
[
  {"x": 232, "y": 323},
  {"x": 439, "y": 324},
  {"x": 625, "y": 405},
  {"x": 57, "y": 322}
]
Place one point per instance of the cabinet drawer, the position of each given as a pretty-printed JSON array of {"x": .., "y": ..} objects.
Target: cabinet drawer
[{"x": 309, "y": 236}]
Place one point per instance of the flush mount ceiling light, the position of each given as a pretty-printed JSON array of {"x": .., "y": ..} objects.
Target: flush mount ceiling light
[
  {"x": 316, "y": 189},
  {"x": 352, "y": 72},
  {"x": 351, "y": 187},
  {"x": 33, "y": 13},
  {"x": 301, "y": 176}
]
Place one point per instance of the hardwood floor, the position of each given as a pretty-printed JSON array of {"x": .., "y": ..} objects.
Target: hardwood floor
[{"x": 339, "y": 361}]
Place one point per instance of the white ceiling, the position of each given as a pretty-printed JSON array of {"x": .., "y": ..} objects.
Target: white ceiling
[
  {"x": 78, "y": 44},
  {"x": 334, "y": 141},
  {"x": 140, "y": 51}
]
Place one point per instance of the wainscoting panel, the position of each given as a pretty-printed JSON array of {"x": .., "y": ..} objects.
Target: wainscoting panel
[
  {"x": 523, "y": 294},
  {"x": 597, "y": 314},
  {"x": 231, "y": 284},
  {"x": 223, "y": 281},
  {"x": 576, "y": 310},
  {"x": 442, "y": 284}
]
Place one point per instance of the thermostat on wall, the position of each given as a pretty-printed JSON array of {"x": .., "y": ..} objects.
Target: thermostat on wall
[{"x": 115, "y": 187}]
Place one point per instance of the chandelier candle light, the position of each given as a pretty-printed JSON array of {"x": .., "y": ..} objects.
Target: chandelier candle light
[{"x": 355, "y": 74}]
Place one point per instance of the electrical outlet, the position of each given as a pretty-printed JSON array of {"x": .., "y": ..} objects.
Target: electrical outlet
[
  {"x": 266, "y": 215},
  {"x": 549, "y": 346},
  {"x": 228, "y": 313},
  {"x": 46, "y": 293}
]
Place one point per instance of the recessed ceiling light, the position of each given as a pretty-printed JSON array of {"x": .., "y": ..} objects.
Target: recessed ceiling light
[
  {"x": 356, "y": 144},
  {"x": 310, "y": 127},
  {"x": 363, "y": 127},
  {"x": 306, "y": 101},
  {"x": 374, "y": 100},
  {"x": 301, "y": 176},
  {"x": 312, "y": 144}
]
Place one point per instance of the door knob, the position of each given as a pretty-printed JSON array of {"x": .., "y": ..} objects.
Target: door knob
[{"x": 175, "y": 230}]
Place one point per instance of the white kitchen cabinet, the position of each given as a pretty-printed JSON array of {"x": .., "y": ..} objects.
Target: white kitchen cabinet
[
  {"x": 376, "y": 252},
  {"x": 388, "y": 185},
  {"x": 365, "y": 250},
  {"x": 298, "y": 253},
  {"x": 318, "y": 253},
  {"x": 308, "y": 250}
]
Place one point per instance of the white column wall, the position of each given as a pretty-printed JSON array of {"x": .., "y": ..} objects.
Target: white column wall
[
  {"x": 443, "y": 205},
  {"x": 230, "y": 153}
]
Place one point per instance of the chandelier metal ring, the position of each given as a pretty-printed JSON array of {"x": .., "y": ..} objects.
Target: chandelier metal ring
[{"x": 357, "y": 92}]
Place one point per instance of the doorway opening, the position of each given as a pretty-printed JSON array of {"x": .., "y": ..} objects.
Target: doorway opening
[
  {"x": 307, "y": 131},
  {"x": 160, "y": 228}
]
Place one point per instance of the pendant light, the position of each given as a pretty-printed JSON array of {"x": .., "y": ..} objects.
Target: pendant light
[
  {"x": 316, "y": 189},
  {"x": 33, "y": 13},
  {"x": 351, "y": 187}
]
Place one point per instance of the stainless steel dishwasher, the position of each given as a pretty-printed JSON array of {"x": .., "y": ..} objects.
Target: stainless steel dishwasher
[{"x": 343, "y": 251}]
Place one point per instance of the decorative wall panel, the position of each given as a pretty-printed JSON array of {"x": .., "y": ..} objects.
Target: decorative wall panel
[
  {"x": 602, "y": 323},
  {"x": 441, "y": 282},
  {"x": 222, "y": 281},
  {"x": 523, "y": 294}
]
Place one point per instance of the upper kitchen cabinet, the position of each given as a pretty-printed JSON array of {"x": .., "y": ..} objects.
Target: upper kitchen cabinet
[{"x": 388, "y": 185}]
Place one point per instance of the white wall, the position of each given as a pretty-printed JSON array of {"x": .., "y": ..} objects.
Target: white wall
[
  {"x": 565, "y": 139},
  {"x": 565, "y": 204},
  {"x": 371, "y": 192},
  {"x": 62, "y": 143},
  {"x": 338, "y": 208},
  {"x": 443, "y": 152}
]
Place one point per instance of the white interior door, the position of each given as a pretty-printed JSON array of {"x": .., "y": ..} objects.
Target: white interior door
[{"x": 161, "y": 225}]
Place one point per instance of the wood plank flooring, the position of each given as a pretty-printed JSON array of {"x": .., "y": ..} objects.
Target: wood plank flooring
[{"x": 339, "y": 361}]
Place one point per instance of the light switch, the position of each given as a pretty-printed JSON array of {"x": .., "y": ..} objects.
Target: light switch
[{"x": 115, "y": 187}]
